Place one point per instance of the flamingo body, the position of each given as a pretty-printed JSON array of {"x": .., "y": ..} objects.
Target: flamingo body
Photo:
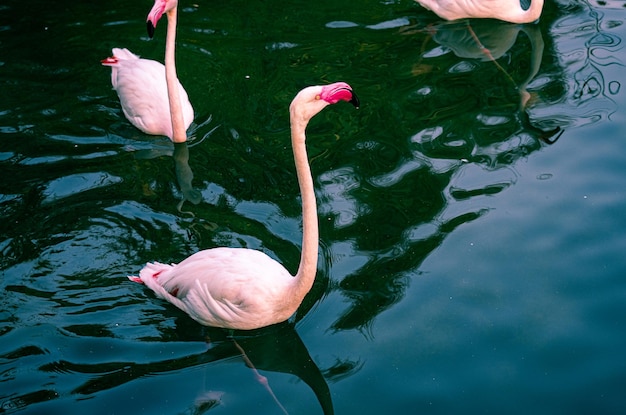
[
  {"x": 506, "y": 10},
  {"x": 216, "y": 286},
  {"x": 142, "y": 90},
  {"x": 239, "y": 288}
]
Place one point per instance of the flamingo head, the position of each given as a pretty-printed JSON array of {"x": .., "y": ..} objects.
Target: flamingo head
[
  {"x": 313, "y": 99},
  {"x": 339, "y": 91},
  {"x": 160, "y": 7}
]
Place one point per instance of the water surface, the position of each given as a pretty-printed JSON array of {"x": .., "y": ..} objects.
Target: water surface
[{"x": 471, "y": 212}]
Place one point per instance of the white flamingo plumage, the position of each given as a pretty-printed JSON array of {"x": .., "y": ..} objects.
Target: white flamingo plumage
[
  {"x": 141, "y": 88},
  {"x": 152, "y": 97},
  {"x": 506, "y": 10},
  {"x": 239, "y": 288}
]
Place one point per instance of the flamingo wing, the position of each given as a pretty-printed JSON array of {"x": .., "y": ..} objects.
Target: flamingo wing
[
  {"x": 222, "y": 287},
  {"x": 142, "y": 90}
]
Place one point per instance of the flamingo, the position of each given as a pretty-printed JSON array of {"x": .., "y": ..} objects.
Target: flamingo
[
  {"x": 152, "y": 97},
  {"x": 506, "y": 10},
  {"x": 244, "y": 289}
]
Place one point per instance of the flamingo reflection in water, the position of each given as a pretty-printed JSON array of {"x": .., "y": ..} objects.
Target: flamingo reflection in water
[
  {"x": 489, "y": 41},
  {"x": 275, "y": 349}
]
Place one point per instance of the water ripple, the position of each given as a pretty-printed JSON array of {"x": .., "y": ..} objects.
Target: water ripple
[
  {"x": 450, "y": 206},
  {"x": 77, "y": 183}
]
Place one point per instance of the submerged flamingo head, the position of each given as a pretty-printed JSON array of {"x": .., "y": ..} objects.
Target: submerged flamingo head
[{"x": 160, "y": 7}]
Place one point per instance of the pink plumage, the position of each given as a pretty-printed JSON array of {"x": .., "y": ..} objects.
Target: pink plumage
[
  {"x": 506, "y": 10},
  {"x": 141, "y": 87},
  {"x": 214, "y": 287}
]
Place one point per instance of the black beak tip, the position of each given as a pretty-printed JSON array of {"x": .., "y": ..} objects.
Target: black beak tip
[
  {"x": 150, "y": 29},
  {"x": 355, "y": 101}
]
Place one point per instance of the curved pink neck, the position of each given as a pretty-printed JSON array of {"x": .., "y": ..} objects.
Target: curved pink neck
[
  {"x": 179, "y": 135},
  {"x": 305, "y": 276}
]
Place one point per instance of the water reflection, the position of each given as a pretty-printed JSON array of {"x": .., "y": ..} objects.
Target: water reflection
[
  {"x": 586, "y": 51},
  {"x": 275, "y": 349},
  {"x": 87, "y": 199},
  {"x": 184, "y": 175},
  {"x": 485, "y": 126},
  {"x": 463, "y": 151},
  {"x": 493, "y": 107},
  {"x": 486, "y": 41}
]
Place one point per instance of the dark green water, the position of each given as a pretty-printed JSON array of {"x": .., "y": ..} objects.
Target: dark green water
[{"x": 472, "y": 212}]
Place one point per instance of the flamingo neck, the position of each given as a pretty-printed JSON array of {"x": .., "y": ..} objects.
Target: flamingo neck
[
  {"x": 179, "y": 135},
  {"x": 305, "y": 276}
]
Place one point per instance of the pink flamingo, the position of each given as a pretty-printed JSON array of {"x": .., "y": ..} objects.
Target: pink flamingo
[
  {"x": 239, "y": 288},
  {"x": 506, "y": 10},
  {"x": 152, "y": 97}
]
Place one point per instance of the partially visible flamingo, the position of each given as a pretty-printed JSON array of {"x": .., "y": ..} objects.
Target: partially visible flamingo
[
  {"x": 239, "y": 288},
  {"x": 506, "y": 10},
  {"x": 152, "y": 97}
]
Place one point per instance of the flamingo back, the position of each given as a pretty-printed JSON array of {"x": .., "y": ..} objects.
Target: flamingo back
[
  {"x": 225, "y": 287},
  {"x": 142, "y": 90}
]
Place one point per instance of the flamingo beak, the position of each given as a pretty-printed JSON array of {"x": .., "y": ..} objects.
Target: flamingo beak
[
  {"x": 150, "y": 29},
  {"x": 355, "y": 100},
  {"x": 154, "y": 15},
  {"x": 339, "y": 91}
]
